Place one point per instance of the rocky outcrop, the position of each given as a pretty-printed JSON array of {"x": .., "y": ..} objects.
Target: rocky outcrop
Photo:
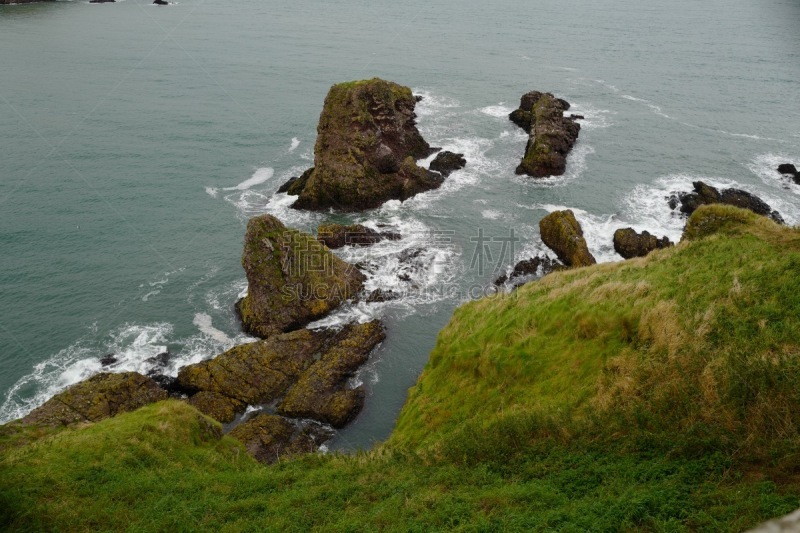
[
  {"x": 294, "y": 185},
  {"x": 445, "y": 163},
  {"x": 321, "y": 393},
  {"x": 292, "y": 279},
  {"x": 552, "y": 135},
  {"x": 528, "y": 269},
  {"x": 705, "y": 194},
  {"x": 270, "y": 438},
  {"x": 628, "y": 243},
  {"x": 101, "y": 396},
  {"x": 366, "y": 150},
  {"x": 307, "y": 369},
  {"x": 336, "y": 235},
  {"x": 790, "y": 170},
  {"x": 380, "y": 295},
  {"x": 562, "y": 233}
]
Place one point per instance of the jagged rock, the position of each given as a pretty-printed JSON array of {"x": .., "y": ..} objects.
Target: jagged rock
[
  {"x": 287, "y": 185},
  {"x": 628, "y": 243},
  {"x": 101, "y": 396},
  {"x": 270, "y": 438},
  {"x": 447, "y": 162},
  {"x": 161, "y": 2},
  {"x": 380, "y": 295},
  {"x": 366, "y": 150},
  {"x": 705, "y": 194},
  {"x": 562, "y": 233},
  {"x": 295, "y": 185},
  {"x": 161, "y": 359},
  {"x": 292, "y": 278},
  {"x": 321, "y": 393},
  {"x": 528, "y": 268},
  {"x": 108, "y": 360},
  {"x": 552, "y": 135},
  {"x": 310, "y": 366},
  {"x": 336, "y": 235},
  {"x": 788, "y": 168}
]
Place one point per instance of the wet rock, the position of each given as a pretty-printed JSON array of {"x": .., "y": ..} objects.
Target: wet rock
[
  {"x": 270, "y": 438},
  {"x": 380, "y": 295},
  {"x": 292, "y": 278},
  {"x": 108, "y": 360},
  {"x": 286, "y": 186},
  {"x": 573, "y": 116},
  {"x": 562, "y": 233},
  {"x": 447, "y": 162},
  {"x": 101, "y": 1},
  {"x": 628, "y": 243},
  {"x": 705, "y": 194},
  {"x": 322, "y": 393},
  {"x": 161, "y": 359},
  {"x": 789, "y": 169},
  {"x": 529, "y": 268},
  {"x": 168, "y": 383},
  {"x": 294, "y": 186},
  {"x": 101, "y": 396},
  {"x": 218, "y": 406},
  {"x": 366, "y": 149},
  {"x": 161, "y": 2},
  {"x": 552, "y": 135},
  {"x": 336, "y": 235}
]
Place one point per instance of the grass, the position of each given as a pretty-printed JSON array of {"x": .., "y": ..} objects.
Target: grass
[{"x": 656, "y": 394}]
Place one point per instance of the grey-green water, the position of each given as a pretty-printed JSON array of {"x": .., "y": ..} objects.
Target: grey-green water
[{"x": 124, "y": 124}]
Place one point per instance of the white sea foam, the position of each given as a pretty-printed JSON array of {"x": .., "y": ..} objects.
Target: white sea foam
[
  {"x": 204, "y": 324},
  {"x": 295, "y": 144},
  {"x": 212, "y": 191},
  {"x": 765, "y": 166},
  {"x": 491, "y": 214},
  {"x": 593, "y": 117},
  {"x": 576, "y": 165},
  {"x": 497, "y": 111},
  {"x": 653, "y": 107},
  {"x": 259, "y": 176}
]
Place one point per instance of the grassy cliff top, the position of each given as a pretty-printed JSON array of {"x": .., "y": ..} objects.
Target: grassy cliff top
[{"x": 654, "y": 394}]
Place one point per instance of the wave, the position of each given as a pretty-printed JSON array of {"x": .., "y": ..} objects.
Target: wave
[
  {"x": 295, "y": 144},
  {"x": 259, "y": 176}
]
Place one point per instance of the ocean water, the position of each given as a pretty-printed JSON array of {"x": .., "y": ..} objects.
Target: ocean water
[{"x": 138, "y": 140}]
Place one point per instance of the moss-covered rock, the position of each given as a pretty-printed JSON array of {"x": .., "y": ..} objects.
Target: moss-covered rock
[
  {"x": 101, "y": 396},
  {"x": 705, "y": 194},
  {"x": 561, "y": 231},
  {"x": 628, "y": 243},
  {"x": 716, "y": 218},
  {"x": 321, "y": 393},
  {"x": 218, "y": 406},
  {"x": 552, "y": 135},
  {"x": 270, "y": 438},
  {"x": 366, "y": 150},
  {"x": 292, "y": 278}
]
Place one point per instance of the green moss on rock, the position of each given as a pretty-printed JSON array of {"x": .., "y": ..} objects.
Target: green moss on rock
[
  {"x": 292, "y": 278},
  {"x": 561, "y": 232},
  {"x": 551, "y": 135},
  {"x": 271, "y": 438}
]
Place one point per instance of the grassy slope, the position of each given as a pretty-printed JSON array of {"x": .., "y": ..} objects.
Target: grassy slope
[{"x": 658, "y": 394}]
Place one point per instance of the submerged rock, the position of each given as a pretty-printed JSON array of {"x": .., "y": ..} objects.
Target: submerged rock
[
  {"x": 321, "y": 393},
  {"x": 552, "y": 135},
  {"x": 529, "y": 268},
  {"x": 562, "y": 233},
  {"x": 270, "y": 438},
  {"x": 101, "y": 396},
  {"x": 705, "y": 194},
  {"x": 336, "y": 235},
  {"x": 292, "y": 278},
  {"x": 446, "y": 163},
  {"x": 366, "y": 150},
  {"x": 628, "y": 243}
]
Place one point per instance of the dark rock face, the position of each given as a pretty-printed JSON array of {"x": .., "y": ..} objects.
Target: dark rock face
[
  {"x": 562, "y": 233},
  {"x": 447, "y": 162},
  {"x": 161, "y": 3},
  {"x": 628, "y": 243},
  {"x": 552, "y": 135},
  {"x": 335, "y": 235},
  {"x": 101, "y": 1},
  {"x": 270, "y": 438},
  {"x": 292, "y": 278},
  {"x": 295, "y": 185},
  {"x": 108, "y": 360},
  {"x": 380, "y": 295},
  {"x": 366, "y": 150},
  {"x": 101, "y": 396},
  {"x": 791, "y": 171},
  {"x": 528, "y": 269},
  {"x": 305, "y": 371},
  {"x": 705, "y": 194}
]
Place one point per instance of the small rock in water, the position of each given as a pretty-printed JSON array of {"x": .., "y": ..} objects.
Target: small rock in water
[
  {"x": 109, "y": 359},
  {"x": 705, "y": 194},
  {"x": 380, "y": 295},
  {"x": 448, "y": 162}
]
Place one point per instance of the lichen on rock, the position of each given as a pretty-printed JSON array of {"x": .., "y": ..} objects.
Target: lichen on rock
[
  {"x": 628, "y": 243},
  {"x": 366, "y": 150},
  {"x": 562, "y": 233},
  {"x": 292, "y": 278}
]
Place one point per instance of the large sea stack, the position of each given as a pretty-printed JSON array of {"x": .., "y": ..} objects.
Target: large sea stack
[
  {"x": 292, "y": 278},
  {"x": 366, "y": 150},
  {"x": 552, "y": 135}
]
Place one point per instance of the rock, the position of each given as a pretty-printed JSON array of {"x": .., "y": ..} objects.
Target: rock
[
  {"x": 108, "y": 360},
  {"x": 292, "y": 278},
  {"x": 270, "y": 438},
  {"x": 161, "y": 359},
  {"x": 321, "y": 393},
  {"x": 573, "y": 116},
  {"x": 294, "y": 186},
  {"x": 447, "y": 162},
  {"x": 552, "y": 135},
  {"x": 101, "y": 1},
  {"x": 335, "y": 235},
  {"x": 380, "y": 295},
  {"x": 628, "y": 243},
  {"x": 705, "y": 194},
  {"x": 310, "y": 367},
  {"x": 161, "y": 2},
  {"x": 562, "y": 233},
  {"x": 788, "y": 168},
  {"x": 168, "y": 383},
  {"x": 366, "y": 150},
  {"x": 526, "y": 269},
  {"x": 286, "y": 186},
  {"x": 101, "y": 396}
]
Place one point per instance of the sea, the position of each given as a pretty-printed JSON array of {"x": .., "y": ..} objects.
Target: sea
[{"x": 139, "y": 139}]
